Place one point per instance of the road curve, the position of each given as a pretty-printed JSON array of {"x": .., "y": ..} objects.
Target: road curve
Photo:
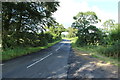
[{"x": 48, "y": 63}]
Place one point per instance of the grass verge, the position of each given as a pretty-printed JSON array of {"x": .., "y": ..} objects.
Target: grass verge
[
  {"x": 93, "y": 51},
  {"x": 20, "y": 51}
]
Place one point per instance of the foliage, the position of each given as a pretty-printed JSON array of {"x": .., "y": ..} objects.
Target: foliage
[
  {"x": 108, "y": 25},
  {"x": 87, "y": 33},
  {"x": 100, "y": 52},
  {"x": 20, "y": 51},
  {"x": 112, "y": 48},
  {"x": 111, "y": 51},
  {"x": 56, "y": 30},
  {"x": 49, "y": 37},
  {"x": 106, "y": 41},
  {"x": 115, "y": 34},
  {"x": 71, "y": 32},
  {"x": 22, "y": 22}
]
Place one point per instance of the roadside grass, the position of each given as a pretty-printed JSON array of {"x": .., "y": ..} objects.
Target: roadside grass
[
  {"x": 93, "y": 51},
  {"x": 20, "y": 51}
]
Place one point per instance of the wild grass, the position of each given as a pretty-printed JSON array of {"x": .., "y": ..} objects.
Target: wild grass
[
  {"x": 96, "y": 51},
  {"x": 20, "y": 51}
]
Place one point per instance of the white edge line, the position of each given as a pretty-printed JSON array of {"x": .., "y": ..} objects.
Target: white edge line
[{"x": 39, "y": 60}]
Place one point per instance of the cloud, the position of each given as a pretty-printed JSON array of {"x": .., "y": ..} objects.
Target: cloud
[
  {"x": 104, "y": 15},
  {"x": 70, "y": 8}
]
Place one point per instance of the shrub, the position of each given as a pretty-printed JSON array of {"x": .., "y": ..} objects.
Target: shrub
[
  {"x": 49, "y": 37},
  {"x": 112, "y": 50}
]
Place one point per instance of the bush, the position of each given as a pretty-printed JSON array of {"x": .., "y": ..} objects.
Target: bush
[
  {"x": 80, "y": 42},
  {"x": 42, "y": 40},
  {"x": 111, "y": 51},
  {"x": 49, "y": 37}
]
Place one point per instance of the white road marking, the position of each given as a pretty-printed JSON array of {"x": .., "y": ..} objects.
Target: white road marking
[
  {"x": 62, "y": 45},
  {"x": 59, "y": 47},
  {"x": 1, "y": 64},
  {"x": 39, "y": 60}
]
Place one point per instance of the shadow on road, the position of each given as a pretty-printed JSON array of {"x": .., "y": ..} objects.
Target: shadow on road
[{"x": 85, "y": 66}]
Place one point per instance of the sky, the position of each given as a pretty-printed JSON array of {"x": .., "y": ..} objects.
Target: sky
[{"x": 104, "y": 9}]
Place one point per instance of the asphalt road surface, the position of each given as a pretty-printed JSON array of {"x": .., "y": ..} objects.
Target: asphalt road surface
[
  {"x": 58, "y": 61},
  {"x": 48, "y": 63}
]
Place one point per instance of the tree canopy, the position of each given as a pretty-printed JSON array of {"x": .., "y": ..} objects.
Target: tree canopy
[
  {"x": 109, "y": 25},
  {"x": 71, "y": 32},
  {"x": 87, "y": 32},
  {"x": 22, "y": 21}
]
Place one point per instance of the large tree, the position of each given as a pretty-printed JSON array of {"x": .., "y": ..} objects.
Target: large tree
[
  {"x": 87, "y": 33},
  {"x": 21, "y": 21}
]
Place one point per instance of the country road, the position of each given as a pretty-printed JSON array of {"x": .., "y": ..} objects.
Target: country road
[
  {"x": 58, "y": 61},
  {"x": 48, "y": 63}
]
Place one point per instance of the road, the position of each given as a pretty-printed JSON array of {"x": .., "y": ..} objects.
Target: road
[
  {"x": 58, "y": 61},
  {"x": 48, "y": 63}
]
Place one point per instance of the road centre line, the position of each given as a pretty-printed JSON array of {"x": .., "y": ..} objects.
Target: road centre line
[
  {"x": 43, "y": 57},
  {"x": 39, "y": 60},
  {"x": 59, "y": 47},
  {"x": 1, "y": 64}
]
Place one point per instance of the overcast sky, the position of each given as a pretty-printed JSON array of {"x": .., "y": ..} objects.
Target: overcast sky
[{"x": 105, "y": 9}]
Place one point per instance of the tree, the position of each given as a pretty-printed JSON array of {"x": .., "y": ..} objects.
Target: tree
[
  {"x": 109, "y": 25},
  {"x": 56, "y": 30},
  {"x": 71, "y": 32},
  {"x": 111, "y": 30},
  {"x": 23, "y": 19},
  {"x": 114, "y": 33},
  {"x": 87, "y": 33}
]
